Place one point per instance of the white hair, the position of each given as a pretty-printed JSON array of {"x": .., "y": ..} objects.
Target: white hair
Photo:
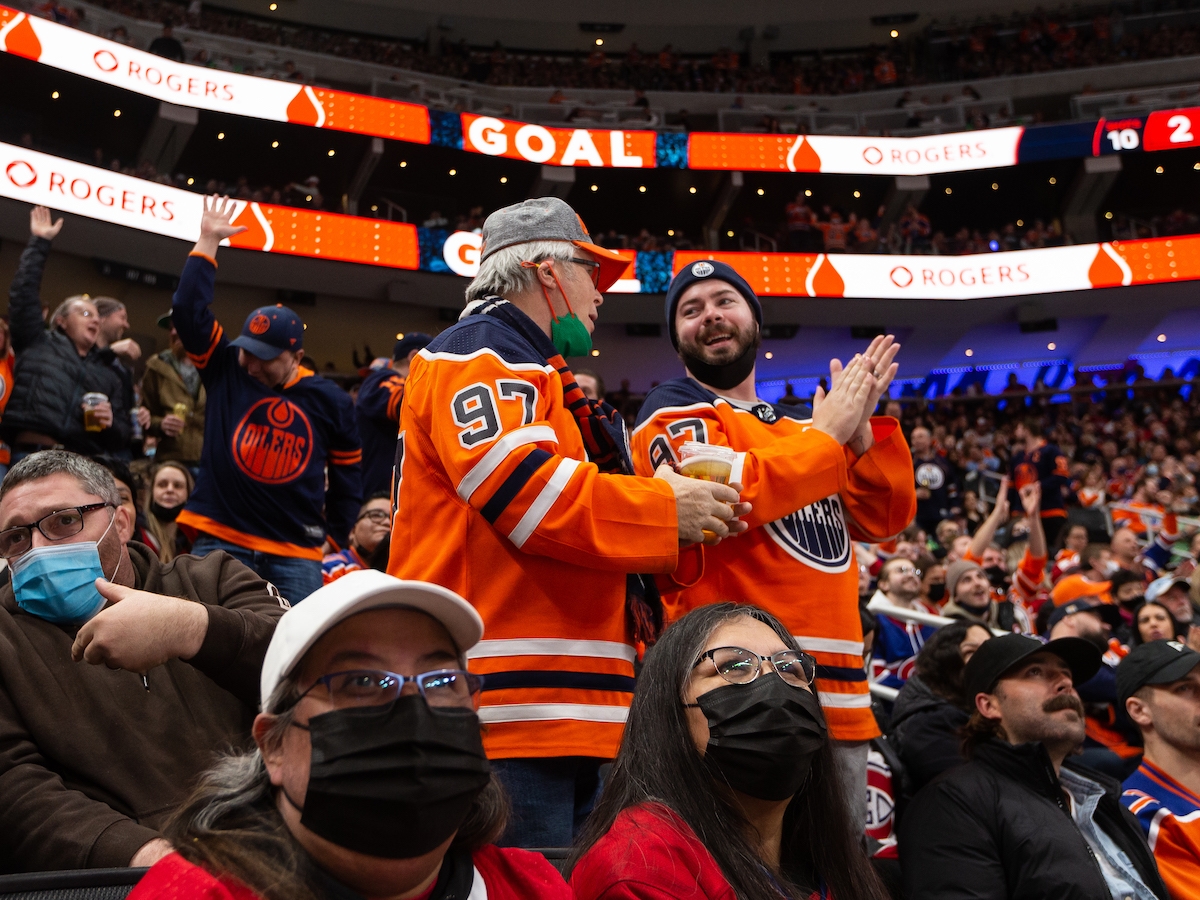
[{"x": 502, "y": 274}]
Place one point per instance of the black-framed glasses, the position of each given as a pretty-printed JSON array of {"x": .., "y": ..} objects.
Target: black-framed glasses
[
  {"x": 56, "y": 526},
  {"x": 737, "y": 665},
  {"x": 591, "y": 264},
  {"x": 378, "y": 516},
  {"x": 441, "y": 688}
]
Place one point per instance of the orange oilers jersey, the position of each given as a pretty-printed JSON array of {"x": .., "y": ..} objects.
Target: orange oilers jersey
[
  {"x": 812, "y": 499},
  {"x": 495, "y": 499},
  {"x": 1169, "y": 813}
]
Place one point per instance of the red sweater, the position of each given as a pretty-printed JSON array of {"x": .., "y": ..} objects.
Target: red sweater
[
  {"x": 650, "y": 854},
  {"x": 507, "y": 875}
]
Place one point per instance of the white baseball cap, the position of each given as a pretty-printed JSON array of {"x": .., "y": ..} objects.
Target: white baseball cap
[{"x": 306, "y": 622}]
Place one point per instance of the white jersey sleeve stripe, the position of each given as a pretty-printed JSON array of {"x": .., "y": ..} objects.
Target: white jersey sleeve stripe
[
  {"x": 552, "y": 647},
  {"x": 845, "y": 701},
  {"x": 491, "y": 461},
  {"x": 543, "y": 712},
  {"x": 829, "y": 645},
  {"x": 542, "y": 503}
]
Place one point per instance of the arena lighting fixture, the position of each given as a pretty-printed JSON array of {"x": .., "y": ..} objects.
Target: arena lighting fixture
[
  {"x": 970, "y": 352},
  {"x": 595, "y": 187},
  {"x": 191, "y": 181},
  {"x": 995, "y": 186},
  {"x": 1020, "y": 223},
  {"x": 308, "y": 197},
  {"x": 595, "y": 353},
  {"x": 857, "y": 195},
  {"x": 274, "y": 143},
  {"x": 374, "y": 208},
  {"x": 761, "y": 192},
  {"x": 808, "y": 193},
  {"x": 729, "y": 234},
  {"x": 642, "y": 189},
  {"x": 403, "y": 163},
  {"x": 331, "y": 152},
  {"x": 54, "y": 95},
  {"x": 1108, "y": 215},
  {"x": 454, "y": 171},
  {"x": 670, "y": 232},
  {"x": 1159, "y": 170},
  {"x": 399, "y": 335},
  {"x": 1052, "y": 346},
  {"x": 769, "y": 355},
  {"x": 273, "y": 7},
  {"x": 1053, "y": 180},
  {"x": 220, "y": 135},
  {"x": 116, "y": 114},
  {"x": 599, "y": 42},
  {"x": 692, "y": 190},
  {"x": 1162, "y": 338},
  {"x": 894, "y": 33},
  {"x": 504, "y": 179},
  {"x": 949, "y": 191}
]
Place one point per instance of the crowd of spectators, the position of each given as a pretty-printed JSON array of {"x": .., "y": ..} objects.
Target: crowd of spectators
[
  {"x": 196, "y": 543},
  {"x": 1017, "y": 44}
]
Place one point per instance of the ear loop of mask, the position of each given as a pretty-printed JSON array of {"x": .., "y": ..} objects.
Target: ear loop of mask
[
  {"x": 119, "y": 556},
  {"x": 526, "y": 264}
]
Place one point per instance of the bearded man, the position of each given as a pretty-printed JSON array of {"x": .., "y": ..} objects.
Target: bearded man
[{"x": 817, "y": 479}]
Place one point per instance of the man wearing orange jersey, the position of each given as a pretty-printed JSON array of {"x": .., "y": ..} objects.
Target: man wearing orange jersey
[
  {"x": 517, "y": 492},
  {"x": 818, "y": 481}
]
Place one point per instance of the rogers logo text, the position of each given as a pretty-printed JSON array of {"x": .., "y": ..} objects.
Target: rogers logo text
[
  {"x": 913, "y": 156},
  {"x": 968, "y": 276},
  {"x": 108, "y": 63}
]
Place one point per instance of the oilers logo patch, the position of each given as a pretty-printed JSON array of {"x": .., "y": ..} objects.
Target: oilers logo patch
[
  {"x": 765, "y": 413},
  {"x": 816, "y": 535},
  {"x": 930, "y": 475},
  {"x": 702, "y": 269}
]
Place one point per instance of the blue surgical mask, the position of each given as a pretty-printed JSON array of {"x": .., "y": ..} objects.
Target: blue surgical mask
[{"x": 58, "y": 582}]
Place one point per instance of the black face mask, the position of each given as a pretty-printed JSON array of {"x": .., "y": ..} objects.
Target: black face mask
[
  {"x": 762, "y": 736},
  {"x": 392, "y": 781},
  {"x": 1133, "y": 602},
  {"x": 996, "y": 576},
  {"x": 937, "y": 592},
  {"x": 165, "y": 513},
  {"x": 727, "y": 375}
]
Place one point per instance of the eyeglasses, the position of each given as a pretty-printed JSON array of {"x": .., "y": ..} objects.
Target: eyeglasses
[
  {"x": 441, "y": 688},
  {"x": 738, "y": 665},
  {"x": 378, "y": 516},
  {"x": 905, "y": 570},
  {"x": 57, "y": 526},
  {"x": 594, "y": 266}
]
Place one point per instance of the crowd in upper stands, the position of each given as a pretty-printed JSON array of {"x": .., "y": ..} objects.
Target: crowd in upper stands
[
  {"x": 982, "y": 613},
  {"x": 1017, "y": 44}
]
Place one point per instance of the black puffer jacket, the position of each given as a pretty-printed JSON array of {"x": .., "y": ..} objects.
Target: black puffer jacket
[
  {"x": 998, "y": 828},
  {"x": 51, "y": 377},
  {"x": 924, "y": 732}
]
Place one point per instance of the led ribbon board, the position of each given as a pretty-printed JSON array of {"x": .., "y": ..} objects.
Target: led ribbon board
[{"x": 60, "y": 184}]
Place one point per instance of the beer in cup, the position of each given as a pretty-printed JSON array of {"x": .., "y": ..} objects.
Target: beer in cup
[
  {"x": 707, "y": 462},
  {"x": 91, "y": 422},
  {"x": 181, "y": 410}
]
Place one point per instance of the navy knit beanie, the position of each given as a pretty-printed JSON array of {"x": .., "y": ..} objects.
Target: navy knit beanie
[{"x": 704, "y": 270}]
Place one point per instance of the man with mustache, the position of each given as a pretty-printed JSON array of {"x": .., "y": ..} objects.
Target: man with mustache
[
  {"x": 1158, "y": 683},
  {"x": 1019, "y": 820},
  {"x": 820, "y": 479}
]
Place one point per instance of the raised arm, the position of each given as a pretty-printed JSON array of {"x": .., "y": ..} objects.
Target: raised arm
[
  {"x": 1031, "y": 500},
  {"x": 997, "y": 517},
  {"x": 191, "y": 314},
  {"x": 24, "y": 296}
]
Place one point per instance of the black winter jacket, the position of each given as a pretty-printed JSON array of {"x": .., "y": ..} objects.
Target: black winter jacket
[
  {"x": 51, "y": 377},
  {"x": 924, "y": 732},
  {"x": 997, "y": 828}
]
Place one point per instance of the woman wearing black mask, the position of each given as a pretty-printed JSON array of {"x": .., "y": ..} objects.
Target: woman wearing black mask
[
  {"x": 725, "y": 786},
  {"x": 170, "y": 486},
  {"x": 369, "y": 781}
]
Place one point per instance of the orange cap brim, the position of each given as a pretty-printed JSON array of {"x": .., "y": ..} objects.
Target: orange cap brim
[{"x": 612, "y": 264}]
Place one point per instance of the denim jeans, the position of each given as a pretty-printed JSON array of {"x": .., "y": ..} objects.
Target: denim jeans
[
  {"x": 295, "y": 578},
  {"x": 550, "y": 798}
]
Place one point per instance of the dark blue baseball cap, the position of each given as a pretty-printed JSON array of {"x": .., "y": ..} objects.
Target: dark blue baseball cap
[
  {"x": 414, "y": 340},
  {"x": 270, "y": 330},
  {"x": 707, "y": 270}
]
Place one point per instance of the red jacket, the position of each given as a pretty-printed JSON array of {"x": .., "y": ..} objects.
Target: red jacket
[
  {"x": 650, "y": 854},
  {"x": 507, "y": 874}
]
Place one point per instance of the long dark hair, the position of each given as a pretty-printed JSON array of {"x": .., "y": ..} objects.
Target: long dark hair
[
  {"x": 231, "y": 826},
  {"x": 1137, "y": 632},
  {"x": 659, "y": 763},
  {"x": 940, "y": 664}
]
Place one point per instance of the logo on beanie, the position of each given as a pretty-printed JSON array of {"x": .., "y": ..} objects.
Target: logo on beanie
[
  {"x": 816, "y": 535},
  {"x": 259, "y": 324},
  {"x": 702, "y": 269},
  {"x": 273, "y": 442}
]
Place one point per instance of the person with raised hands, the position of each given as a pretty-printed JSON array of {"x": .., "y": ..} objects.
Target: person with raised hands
[
  {"x": 274, "y": 432},
  {"x": 817, "y": 479}
]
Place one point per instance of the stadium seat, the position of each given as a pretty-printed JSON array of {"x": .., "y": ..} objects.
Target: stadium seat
[{"x": 76, "y": 884}]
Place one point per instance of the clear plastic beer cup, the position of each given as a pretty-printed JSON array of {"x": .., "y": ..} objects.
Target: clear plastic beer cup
[
  {"x": 91, "y": 422},
  {"x": 707, "y": 462}
]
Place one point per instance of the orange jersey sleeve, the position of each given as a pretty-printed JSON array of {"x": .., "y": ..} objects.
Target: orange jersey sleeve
[{"x": 881, "y": 494}]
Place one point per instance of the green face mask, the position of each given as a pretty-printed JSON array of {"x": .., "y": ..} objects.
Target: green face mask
[{"x": 570, "y": 336}]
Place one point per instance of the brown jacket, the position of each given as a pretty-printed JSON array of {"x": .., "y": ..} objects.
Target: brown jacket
[
  {"x": 91, "y": 763},
  {"x": 162, "y": 388}
]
